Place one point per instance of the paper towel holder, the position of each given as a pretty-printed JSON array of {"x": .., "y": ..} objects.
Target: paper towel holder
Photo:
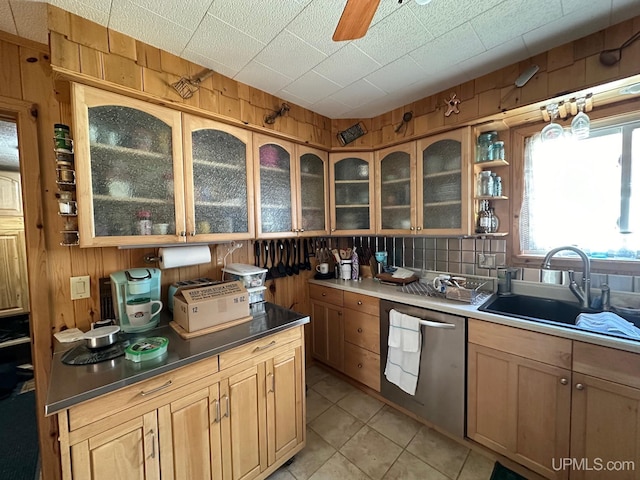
[{"x": 152, "y": 258}]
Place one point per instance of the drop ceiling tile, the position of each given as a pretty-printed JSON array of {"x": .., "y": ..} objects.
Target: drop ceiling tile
[
  {"x": 440, "y": 17},
  {"x": 229, "y": 46},
  {"x": 438, "y": 54},
  {"x": 293, "y": 99},
  {"x": 512, "y": 18},
  {"x": 311, "y": 87},
  {"x": 6, "y": 18},
  {"x": 503, "y": 55},
  {"x": 397, "y": 75},
  {"x": 290, "y": 55},
  {"x": 97, "y": 12},
  {"x": 137, "y": 22},
  {"x": 385, "y": 9},
  {"x": 358, "y": 93},
  {"x": 623, "y": 9},
  {"x": 262, "y": 77},
  {"x": 31, "y": 20},
  {"x": 402, "y": 24},
  {"x": 186, "y": 14},
  {"x": 347, "y": 65},
  {"x": 316, "y": 24},
  {"x": 209, "y": 63},
  {"x": 330, "y": 107},
  {"x": 262, "y": 20}
]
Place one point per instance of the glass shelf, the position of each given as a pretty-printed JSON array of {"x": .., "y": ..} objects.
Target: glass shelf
[
  {"x": 130, "y": 151},
  {"x": 393, "y": 181},
  {"x": 443, "y": 204},
  {"x": 442, "y": 173},
  {"x": 108, "y": 198},
  {"x": 347, "y": 182},
  {"x": 491, "y": 197},
  {"x": 227, "y": 166}
]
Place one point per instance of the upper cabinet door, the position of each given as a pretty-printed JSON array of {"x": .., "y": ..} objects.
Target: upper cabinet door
[
  {"x": 352, "y": 206},
  {"x": 444, "y": 170},
  {"x": 313, "y": 198},
  {"x": 218, "y": 180},
  {"x": 128, "y": 156},
  {"x": 396, "y": 183},
  {"x": 275, "y": 180}
]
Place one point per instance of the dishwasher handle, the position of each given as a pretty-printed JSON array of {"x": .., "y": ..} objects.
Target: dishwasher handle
[{"x": 429, "y": 323}]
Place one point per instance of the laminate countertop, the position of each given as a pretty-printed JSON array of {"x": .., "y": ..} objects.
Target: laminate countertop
[
  {"x": 374, "y": 288},
  {"x": 72, "y": 384}
]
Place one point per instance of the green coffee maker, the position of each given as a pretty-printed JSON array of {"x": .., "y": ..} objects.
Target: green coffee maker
[{"x": 136, "y": 298}]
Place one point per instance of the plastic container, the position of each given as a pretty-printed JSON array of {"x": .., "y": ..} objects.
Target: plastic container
[
  {"x": 256, "y": 294},
  {"x": 250, "y": 275},
  {"x": 146, "y": 349}
]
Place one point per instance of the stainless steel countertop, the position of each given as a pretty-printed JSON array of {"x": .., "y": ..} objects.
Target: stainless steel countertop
[
  {"x": 368, "y": 286},
  {"x": 73, "y": 384}
]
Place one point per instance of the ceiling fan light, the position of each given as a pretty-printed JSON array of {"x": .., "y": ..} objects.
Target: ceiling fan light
[{"x": 423, "y": 2}]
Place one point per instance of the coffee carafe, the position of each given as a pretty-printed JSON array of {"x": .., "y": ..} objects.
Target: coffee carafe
[{"x": 136, "y": 298}]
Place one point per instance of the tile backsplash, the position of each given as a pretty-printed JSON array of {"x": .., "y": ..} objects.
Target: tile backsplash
[{"x": 460, "y": 255}]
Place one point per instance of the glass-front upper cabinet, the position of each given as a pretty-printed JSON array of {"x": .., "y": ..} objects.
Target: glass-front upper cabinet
[
  {"x": 218, "y": 180},
  {"x": 128, "y": 158},
  {"x": 445, "y": 196},
  {"x": 275, "y": 179},
  {"x": 396, "y": 183},
  {"x": 313, "y": 212},
  {"x": 352, "y": 205}
]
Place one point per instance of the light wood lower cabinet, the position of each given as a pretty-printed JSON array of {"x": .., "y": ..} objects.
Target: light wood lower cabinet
[
  {"x": 565, "y": 412},
  {"x": 237, "y": 424}
]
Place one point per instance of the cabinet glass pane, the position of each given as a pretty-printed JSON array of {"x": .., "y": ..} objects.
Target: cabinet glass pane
[
  {"x": 395, "y": 195},
  {"x": 275, "y": 189},
  {"x": 312, "y": 192},
  {"x": 351, "y": 190},
  {"x": 131, "y": 171},
  {"x": 219, "y": 182},
  {"x": 442, "y": 185}
]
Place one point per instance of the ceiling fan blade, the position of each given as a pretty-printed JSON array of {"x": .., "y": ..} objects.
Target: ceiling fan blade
[{"x": 355, "y": 20}]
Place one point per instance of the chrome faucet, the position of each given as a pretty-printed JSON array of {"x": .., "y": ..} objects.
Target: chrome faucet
[{"x": 582, "y": 293}]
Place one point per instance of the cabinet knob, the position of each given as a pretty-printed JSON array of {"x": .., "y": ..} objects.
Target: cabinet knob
[
  {"x": 324, "y": 294},
  {"x": 333, "y": 229},
  {"x": 339, "y": 313},
  {"x": 193, "y": 234},
  {"x": 301, "y": 230},
  {"x": 294, "y": 230},
  {"x": 359, "y": 302},
  {"x": 359, "y": 330},
  {"x": 359, "y": 365},
  {"x": 564, "y": 381},
  {"x": 412, "y": 228},
  {"x": 418, "y": 228},
  {"x": 183, "y": 233},
  {"x": 579, "y": 386}
]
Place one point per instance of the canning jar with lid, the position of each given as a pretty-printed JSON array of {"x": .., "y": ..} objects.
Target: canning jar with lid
[{"x": 483, "y": 145}]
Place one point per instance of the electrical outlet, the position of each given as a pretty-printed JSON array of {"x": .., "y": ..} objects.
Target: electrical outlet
[
  {"x": 80, "y": 287},
  {"x": 487, "y": 260}
]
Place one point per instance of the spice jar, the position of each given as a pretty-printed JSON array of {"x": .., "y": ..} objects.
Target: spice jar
[
  {"x": 62, "y": 138},
  {"x": 144, "y": 222}
]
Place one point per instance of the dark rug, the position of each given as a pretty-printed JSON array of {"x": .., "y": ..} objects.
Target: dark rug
[
  {"x": 18, "y": 437},
  {"x": 500, "y": 472}
]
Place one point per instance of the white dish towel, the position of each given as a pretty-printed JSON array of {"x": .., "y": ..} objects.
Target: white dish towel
[
  {"x": 607, "y": 322},
  {"x": 403, "y": 356}
]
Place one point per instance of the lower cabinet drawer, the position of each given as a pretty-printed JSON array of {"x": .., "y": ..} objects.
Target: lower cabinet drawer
[
  {"x": 362, "y": 329},
  {"x": 362, "y": 365}
]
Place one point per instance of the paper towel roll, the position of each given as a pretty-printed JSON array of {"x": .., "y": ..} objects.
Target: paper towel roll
[{"x": 172, "y": 257}]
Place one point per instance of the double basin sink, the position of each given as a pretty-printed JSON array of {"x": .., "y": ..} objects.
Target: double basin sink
[{"x": 544, "y": 310}]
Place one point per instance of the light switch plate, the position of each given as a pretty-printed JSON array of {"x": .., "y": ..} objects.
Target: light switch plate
[{"x": 80, "y": 287}]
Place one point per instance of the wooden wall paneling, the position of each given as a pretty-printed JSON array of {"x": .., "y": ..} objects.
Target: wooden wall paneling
[
  {"x": 10, "y": 71},
  {"x": 536, "y": 89},
  {"x": 596, "y": 73},
  {"x": 230, "y": 89},
  {"x": 88, "y": 33},
  {"x": 64, "y": 53},
  {"x": 159, "y": 83},
  {"x": 249, "y": 114},
  {"x": 122, "y": 45},
  {"x": 567, "y": 78},
  {"x": 122, "y": 71},
  {"x": 594, "y": 43},
  {"x": 58, "y": 20},
  {"x": 489, "y": 101},
  {"x": 173, "y": 64},
  {"x": 209, "y": 100},
  {"x": 87, "y": 261},
  {"x": 148, "y": 56},
  {"x": 559, "y": 57},
  {"x": 230, "y": 107},
  {"x": 91, "y": 62}
]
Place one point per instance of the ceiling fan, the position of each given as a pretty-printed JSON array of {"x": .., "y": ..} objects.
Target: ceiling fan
[{"x": 356, "y": 18}]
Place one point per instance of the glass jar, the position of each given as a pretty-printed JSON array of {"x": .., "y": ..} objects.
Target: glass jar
[
  {"x": 485, "y": 184},
  {"x": 144, "y": 222},
  {"x": 496, "y": 151},
  {"x": 484, "y": 144}
]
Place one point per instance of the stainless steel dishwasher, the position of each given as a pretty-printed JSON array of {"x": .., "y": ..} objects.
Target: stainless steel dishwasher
[{"x": 440, "y": 394}]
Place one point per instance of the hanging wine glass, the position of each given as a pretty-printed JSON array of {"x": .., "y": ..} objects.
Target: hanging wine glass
[
  {"x": 553, "y": 130},
  {"x": 581, "y": 124}
]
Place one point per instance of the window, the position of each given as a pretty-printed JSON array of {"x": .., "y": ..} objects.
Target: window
[{"x": 584, "y": 192}]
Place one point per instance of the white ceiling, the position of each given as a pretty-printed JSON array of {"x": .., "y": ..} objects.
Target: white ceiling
[{"x": 284, "y": 47}]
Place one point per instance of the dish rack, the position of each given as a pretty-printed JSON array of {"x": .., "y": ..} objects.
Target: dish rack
[{"x": 470, "y": 293}]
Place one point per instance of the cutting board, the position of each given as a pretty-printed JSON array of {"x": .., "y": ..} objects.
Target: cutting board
[{"x": 389, "y": 278}]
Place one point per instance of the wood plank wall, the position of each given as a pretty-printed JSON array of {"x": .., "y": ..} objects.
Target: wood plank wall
[
  {"x": 568, "y": 68},
  {"x": 85, "y": 47}
]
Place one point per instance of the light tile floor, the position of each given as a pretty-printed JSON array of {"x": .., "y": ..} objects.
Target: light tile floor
[{"x": 353, "y": 436}]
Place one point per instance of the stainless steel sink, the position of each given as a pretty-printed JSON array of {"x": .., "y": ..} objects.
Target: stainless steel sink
[{"x": 545, "y": 310}]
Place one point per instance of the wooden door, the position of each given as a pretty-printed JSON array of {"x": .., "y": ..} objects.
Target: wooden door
[
  {"x": 129, "y": 451},
  {"x": 312, "y": 191},
  {"x": 243, "y": 424},
  {"x": 395, "y": 179},
  {"x": 185, "y": 425},
  {"x": 285, "y": 413},
  {"x": 218, "y": 180},
  {"x": 328, "y": 334},
  {"x": 519, "y": 408},
  {"x": 605, "y": 427},
  {"x": 14, "y": 285}
]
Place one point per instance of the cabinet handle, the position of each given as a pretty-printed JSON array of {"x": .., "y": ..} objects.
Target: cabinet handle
[
  {"x": 359, "y": 365},
  {"x": 153, "y": 443},
  {"x": 359, "y": 330},
  {"x": 359, "y": 302},
  {"x": 264, "y": 347},
  {"x": 226, "y": 398},
  {"x": 161, "y": 387},
  {"x": 217, "y": 407},
  {"x": 563, "y": 381},
  {"x": 579, "y": 386},
  {"x": 273, "y": 383}
]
